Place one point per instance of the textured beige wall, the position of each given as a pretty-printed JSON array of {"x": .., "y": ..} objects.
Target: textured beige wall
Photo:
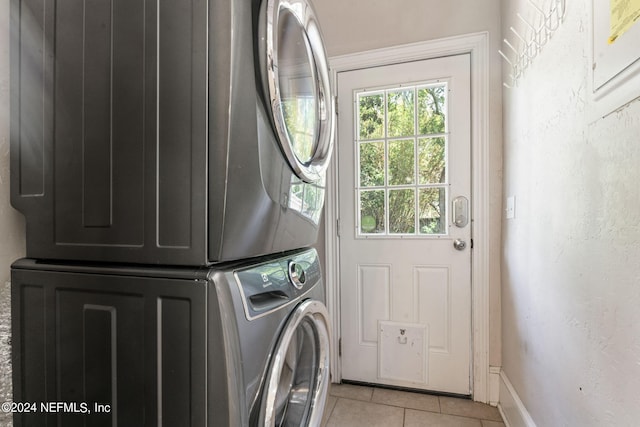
[
  {"x": 358, "y": 25},
  {"x": 571, "y": 276},
  {"x": 11, "y": 222}
]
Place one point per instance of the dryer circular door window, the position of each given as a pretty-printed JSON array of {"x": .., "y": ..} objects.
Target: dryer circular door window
[
  {"x": 299, "y": 89},
  {"x": 297, "y": 383}
]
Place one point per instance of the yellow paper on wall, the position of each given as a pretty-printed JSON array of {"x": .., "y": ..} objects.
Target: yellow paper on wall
[{"x": 624, "y": 13}]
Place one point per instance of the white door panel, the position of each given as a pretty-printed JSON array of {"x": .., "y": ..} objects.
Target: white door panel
[{"x": 405, "y": 288}]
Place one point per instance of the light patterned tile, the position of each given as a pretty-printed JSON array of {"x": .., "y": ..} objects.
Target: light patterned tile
[
  {"x": 328, "y": 409},
  {"x": 415, "y": 418},
  {"x": 423, "y": 402},
  {"x": 350, "y": 391},
  {"x": 468, "y": 408},
  {"x": 486, "y": 423},
  {"x": 355, "y": 413}
]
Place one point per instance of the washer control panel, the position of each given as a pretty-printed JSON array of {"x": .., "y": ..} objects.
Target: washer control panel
[{"x": 269, "y": 285}]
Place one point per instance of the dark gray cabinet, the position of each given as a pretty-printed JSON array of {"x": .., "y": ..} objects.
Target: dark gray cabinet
[
  {"x": 134, "y": 345},
  {"x": 109, "y": 128},
  {"x": 141, "y": 133}
]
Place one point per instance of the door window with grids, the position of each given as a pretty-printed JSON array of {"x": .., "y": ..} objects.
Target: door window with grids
[{"x": 401, "y": 143}]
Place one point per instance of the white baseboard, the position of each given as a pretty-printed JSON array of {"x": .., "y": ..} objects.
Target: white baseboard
[
  {"x": 494, "y": 385},
  {"x": 513, "y": 411}
]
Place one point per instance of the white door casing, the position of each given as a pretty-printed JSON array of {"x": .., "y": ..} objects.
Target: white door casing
[
  {"x": 405, "y": 288},
  {"x": 476, "y": 44}
]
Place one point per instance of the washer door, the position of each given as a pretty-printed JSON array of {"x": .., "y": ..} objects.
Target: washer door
[
  {"x": 298, "y": 379},
  {"x": 299, "y": 87}
]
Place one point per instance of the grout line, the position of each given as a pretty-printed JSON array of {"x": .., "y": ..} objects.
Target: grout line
[{"x": 333, "y": 408}]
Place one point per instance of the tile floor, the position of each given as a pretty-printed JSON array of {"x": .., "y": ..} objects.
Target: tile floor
[{"x": 355, "y": 406}]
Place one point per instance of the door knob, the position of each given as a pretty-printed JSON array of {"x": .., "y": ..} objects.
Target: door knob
[{"x": 459, "y": 244}]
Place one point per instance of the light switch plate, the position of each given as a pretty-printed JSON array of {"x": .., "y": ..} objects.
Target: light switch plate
[{"x": 510, "y": 211}]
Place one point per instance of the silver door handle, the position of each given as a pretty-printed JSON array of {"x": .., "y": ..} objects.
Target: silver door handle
[{"x": 459, "y": 244}]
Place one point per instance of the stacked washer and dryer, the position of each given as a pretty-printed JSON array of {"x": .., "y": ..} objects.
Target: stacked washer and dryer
[{"x": 169, "y": 158}]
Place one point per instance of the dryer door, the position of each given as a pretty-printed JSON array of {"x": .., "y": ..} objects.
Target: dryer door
[
  {"x": 297, "y": 383},
  {"x": 299, "y": 87}
]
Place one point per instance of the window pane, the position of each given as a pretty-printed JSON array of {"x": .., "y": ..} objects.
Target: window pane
[
  {"x": 401, "y": 162},
  {"x": 431, "y": 110},
  {"x": 371, "y": 116},
  {"x": 431, "y": 160},
  {"x": 372, "y": 212},
  {"x": 401, "y": 113},
  {"x": 432, "y": 216},
  {"x": 371, "y": 164},
  {"x": 402, "y": 209}
]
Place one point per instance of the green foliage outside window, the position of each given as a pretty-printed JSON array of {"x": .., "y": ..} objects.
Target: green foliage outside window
[{"x": 402, "y": 157}]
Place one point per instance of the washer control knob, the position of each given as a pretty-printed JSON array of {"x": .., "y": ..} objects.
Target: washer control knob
[{"x": 296, "y": 274}]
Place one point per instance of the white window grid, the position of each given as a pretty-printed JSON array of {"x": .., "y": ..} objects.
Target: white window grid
[{"x": 416, "y": 186}]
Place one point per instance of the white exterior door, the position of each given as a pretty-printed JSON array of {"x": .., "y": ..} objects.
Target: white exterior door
[{"x": 405, "y": 224}]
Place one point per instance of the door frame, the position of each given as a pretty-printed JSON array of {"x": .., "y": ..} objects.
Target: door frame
[{"x": 477, "y": 45}]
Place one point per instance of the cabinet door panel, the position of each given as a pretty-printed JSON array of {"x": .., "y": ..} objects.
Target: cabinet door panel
[
  {"x": 134, "y": 346},
  {"x": 109, "y": 129},
  {"x": 98, "y": 122},
  {"x": 100, "y": 347}
]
